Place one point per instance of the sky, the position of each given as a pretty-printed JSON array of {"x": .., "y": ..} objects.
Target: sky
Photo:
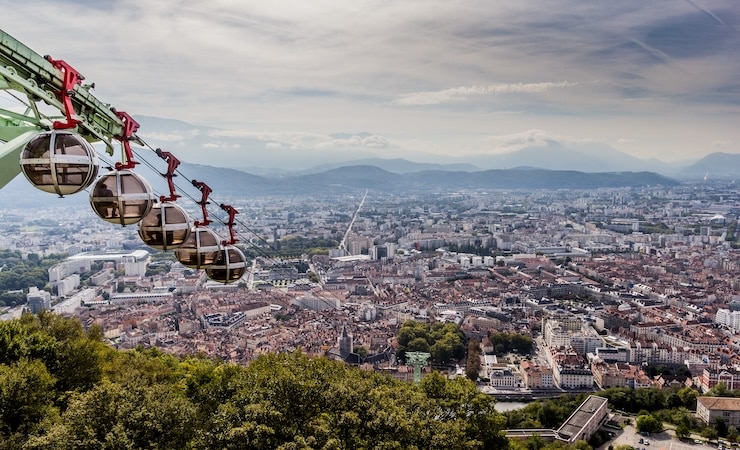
[{"x": 422, "y": 80}]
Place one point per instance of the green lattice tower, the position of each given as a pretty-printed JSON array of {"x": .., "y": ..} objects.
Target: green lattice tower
[
  {"x": 417, "y": 359},
  {"x": 30, "y": 76}
]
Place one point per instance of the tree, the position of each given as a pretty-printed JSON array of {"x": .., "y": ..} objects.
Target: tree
[
  {"x": 648, "y": 423},
  {"x": 732, "y": 434},
  {"x": 688, "y": 397},
  {"x": 719, "y": 390},
  {"x": 683, "y": 431},
  {"x": 445, "y": 342},
  {"x": 720, "y": 426},
  {"x": 135, "y": 415},
  {"x": 472, "y": 364},
  {"x": 709, "y": 433},
  {"x": 26, "y": 396}
]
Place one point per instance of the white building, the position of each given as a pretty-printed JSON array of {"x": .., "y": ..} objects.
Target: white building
[
  {"x": 729, "y": 318},
  {"x": 573, "y": 378},
  {"x": 504, "y": 378},
  {"x": 133, "y": 263},
  {"x": 67, "y": 285}
]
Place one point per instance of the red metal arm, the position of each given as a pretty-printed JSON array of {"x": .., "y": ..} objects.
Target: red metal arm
[
  {"x": 129, "y": 128},
  {"x": 172, "y": 163},
  {"x": 70, "y": 80},
  {"x": 205, "y": 191},
  {"x": 232, "y": 213}
]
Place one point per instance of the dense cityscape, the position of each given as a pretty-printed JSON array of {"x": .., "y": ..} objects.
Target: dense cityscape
[
  {"x": 608, "y": 279},
  {"x": 607, "y": 284}
]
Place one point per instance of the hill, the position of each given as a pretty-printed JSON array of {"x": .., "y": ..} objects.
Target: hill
[{"x": 713, "y": 166}]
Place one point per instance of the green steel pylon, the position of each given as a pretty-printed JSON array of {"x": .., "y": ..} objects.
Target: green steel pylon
[
  {"x": 36, "y": 83},
  {"x": 417, "y": 359}
]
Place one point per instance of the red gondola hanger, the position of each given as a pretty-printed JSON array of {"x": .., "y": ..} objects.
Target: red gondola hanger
[
  {"x": 127, "y": 134},
  {"x": 61, "y": 161},
  {"x": 167, "y": 226},
  {"x": 71, "y": 78},
  {"x": 122, "y": 196},
  {"x": 203, "y": 247},
  {"x": 232, "y": 213},
  {"x": 172, "y": 164},
  {"x": 205, "y": 192}
]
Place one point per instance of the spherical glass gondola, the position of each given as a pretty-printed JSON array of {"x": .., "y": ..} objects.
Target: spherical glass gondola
[
  {"x": 229, "y": 267},
  {"x": 59, "y": 162},
  {"x": 201, "y": 249},
  {"x": 121, "y": 197},
  {"x": 166, "y": 227}
]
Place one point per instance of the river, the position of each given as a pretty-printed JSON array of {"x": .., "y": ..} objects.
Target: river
[{"x": 508, "y": 406}]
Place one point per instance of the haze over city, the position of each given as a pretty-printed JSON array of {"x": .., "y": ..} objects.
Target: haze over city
[{"x": 426, "y": 81}]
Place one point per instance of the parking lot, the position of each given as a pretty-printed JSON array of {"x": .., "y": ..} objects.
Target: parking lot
[{"x": 659, "y": 441}]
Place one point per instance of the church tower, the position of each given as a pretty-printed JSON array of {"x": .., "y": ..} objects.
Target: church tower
[{"x": 345, "y": 342}]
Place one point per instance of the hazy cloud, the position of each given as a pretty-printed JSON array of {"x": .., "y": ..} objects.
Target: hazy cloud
[{"x": 465, "y": 92}]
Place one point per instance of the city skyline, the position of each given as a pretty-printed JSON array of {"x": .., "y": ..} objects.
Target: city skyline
[{"x": 418, "y": 81}]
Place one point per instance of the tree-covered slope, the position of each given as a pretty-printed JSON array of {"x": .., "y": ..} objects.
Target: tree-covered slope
[{"x": 63, "y": 388}]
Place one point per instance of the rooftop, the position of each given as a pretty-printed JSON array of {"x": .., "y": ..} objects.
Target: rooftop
[
  {"x": 720, "y": 403},
  {"x": 581, "y": 416}
]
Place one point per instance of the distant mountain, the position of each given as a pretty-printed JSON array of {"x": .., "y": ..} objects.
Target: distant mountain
[
  {"x": 279, "y": 155},
  {"x": 714, "y": 166},
  {"x": 231, "y": 183},
  {"x": 582, "y": 157},
  {"x": 398, "y": 165}
]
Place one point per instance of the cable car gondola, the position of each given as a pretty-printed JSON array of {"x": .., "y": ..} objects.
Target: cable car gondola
[
  {"x": 201, "y": 249},
  {"x": 60, "y": 162},
  {"x": 166, "y": 227},
  {"x": 121, "y": 197},
  {"x": 229, "y": 266}
]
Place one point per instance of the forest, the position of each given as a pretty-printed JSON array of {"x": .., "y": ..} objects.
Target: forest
[{"x": 62, "y": 387}]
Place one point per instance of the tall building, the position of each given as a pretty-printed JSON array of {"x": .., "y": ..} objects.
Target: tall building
[{"x": 38, "y": 300}]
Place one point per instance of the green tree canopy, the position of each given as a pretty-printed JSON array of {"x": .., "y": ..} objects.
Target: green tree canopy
[
  {"x": 648, "y": 423},
  {"x": 61, "y": 388},
  {"x": 444, "y": 341}
]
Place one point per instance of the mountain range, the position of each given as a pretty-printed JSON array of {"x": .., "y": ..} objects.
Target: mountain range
[
  {"x": 550, "y": 166},
  {"x": 263, "y": 155},
  {"x": 236, "y": 183}
]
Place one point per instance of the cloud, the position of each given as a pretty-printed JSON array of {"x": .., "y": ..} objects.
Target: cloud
[
  {"x": 171, "y": 136},
  {"x": 213, "y": 145},
  {"x": 306, "y": 141},
  {"x": 463, "y": 93},
  {"x": 370, "y": 142}
]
